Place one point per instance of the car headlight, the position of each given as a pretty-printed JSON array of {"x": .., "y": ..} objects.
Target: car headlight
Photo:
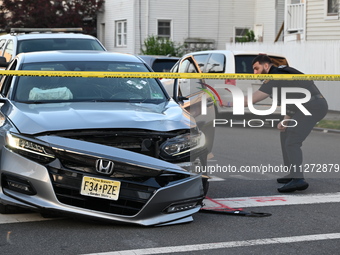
[
  {"x": 29, "y": 149},
  {"x": 182, "y": 145}
]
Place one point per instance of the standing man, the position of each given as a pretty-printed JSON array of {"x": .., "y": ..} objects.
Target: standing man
[{"x": 291, "y": 137}]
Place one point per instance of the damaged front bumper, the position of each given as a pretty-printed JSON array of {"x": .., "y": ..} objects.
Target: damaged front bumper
[{"x": 151, "y": 191}]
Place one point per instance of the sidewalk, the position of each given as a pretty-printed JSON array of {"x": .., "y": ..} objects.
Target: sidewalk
[{"x": 332, "y": 115}]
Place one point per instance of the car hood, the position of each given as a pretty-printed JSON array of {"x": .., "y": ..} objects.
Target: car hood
[{"x": 38, "y": 118}]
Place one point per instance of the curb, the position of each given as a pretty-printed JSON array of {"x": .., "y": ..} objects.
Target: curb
[{"x": 326, "y": 130}]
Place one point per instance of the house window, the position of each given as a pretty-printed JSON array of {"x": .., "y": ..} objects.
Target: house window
[
  {"x": 121, "y": 28},
  {"x": 332, "y": 7},
  {"x": 240, "y": 33},
  {"x": 164, "y": 29}
]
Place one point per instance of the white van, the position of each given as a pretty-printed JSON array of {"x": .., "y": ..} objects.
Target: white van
[{"x": 223, "y": 61}]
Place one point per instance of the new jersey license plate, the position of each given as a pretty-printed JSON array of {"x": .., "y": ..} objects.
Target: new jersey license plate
[{"x": 101, "y": 188}]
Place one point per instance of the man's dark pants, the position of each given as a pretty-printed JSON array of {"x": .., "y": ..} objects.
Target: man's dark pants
[{"x": 293, "y": 137}]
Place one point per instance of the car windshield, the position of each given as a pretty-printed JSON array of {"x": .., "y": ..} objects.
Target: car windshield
[
  {"x": 243, "y": 63},
  {"x": 36, "y": 89},
  {"x": 58, "y": 44}
]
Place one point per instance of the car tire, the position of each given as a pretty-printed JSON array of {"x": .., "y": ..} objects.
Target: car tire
[{"x": 205, "y": 181}]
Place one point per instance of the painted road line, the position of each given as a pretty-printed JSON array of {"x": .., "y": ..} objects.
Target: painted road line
[
  {"x": 22, "y": 217},
  {"x": 215, "y": 178},
  {"x": 242, "y": 202},
  {"x": 224, "y": 245}
]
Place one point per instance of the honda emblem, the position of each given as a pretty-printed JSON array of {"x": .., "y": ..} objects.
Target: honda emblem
[{"x": 104, "y": 166}]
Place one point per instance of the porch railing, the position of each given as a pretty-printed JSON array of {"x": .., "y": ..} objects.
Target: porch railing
[{"x": 295, "y": 17}]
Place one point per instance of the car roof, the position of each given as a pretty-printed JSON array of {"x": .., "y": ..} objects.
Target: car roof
[
  {"x": 152, "y": 58},
  {"x": 20, "y": 37},
  {"x": 157, "y": 57},
  {"x": 81, "y": 55},
  {"x": 235, "y": 52}
]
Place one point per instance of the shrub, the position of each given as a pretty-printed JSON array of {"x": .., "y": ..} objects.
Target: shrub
[{"x": 161, "y": 46}]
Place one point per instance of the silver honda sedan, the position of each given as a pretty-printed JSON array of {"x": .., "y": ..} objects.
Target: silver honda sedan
[{"x": 108, "y": 148}]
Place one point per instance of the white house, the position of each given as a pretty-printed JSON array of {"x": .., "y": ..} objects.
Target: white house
[
  {"x": 123, "y": 25},
  {"x": 311, "y": 20}
]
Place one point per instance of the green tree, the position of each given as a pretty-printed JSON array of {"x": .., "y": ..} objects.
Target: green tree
[
  {"x": 49, "y": 14},
  {"x": 161, "y": 46}
]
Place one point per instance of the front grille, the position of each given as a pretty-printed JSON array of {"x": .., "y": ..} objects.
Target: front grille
[
  {"x": 142, "y": 141},
  {"x": 87, "y": 163},
  {"x": 67, "y": 185},
  {"x": 136, "y": 140}
]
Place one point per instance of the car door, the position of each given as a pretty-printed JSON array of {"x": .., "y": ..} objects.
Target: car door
[
  {"x": 195, "y": 97},
  {"x": 9, "y": 50},
  {"x": 3, "y": 60}
]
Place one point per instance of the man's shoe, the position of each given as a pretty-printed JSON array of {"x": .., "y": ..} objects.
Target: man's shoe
[
  {"x": 293, "y": 185},
  {"x": 284, "y": 180}
]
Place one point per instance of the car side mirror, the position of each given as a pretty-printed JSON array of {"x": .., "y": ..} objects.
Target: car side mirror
[
  {"x": 3, "y": 100},
  {"x": 181, "y": 98}
]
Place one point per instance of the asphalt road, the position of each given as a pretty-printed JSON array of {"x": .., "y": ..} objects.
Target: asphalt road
[{"x": 311, "y": 228}]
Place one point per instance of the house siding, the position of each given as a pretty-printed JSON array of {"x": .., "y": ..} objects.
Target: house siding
[
  {"x": 234, "y": 15},
  {"x": 114, "y": 11},
  {"x": 213, "y": 20},
  {"x": 266, "y": 15},
  {"x": 317, "y": 26},
  {"x": 177, "y": 13},
  {"x": 280, "y": 7},
  {"x": 200, "y": 19}
]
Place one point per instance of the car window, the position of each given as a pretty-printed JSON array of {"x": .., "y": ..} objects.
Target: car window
[
  {"x": 2, "y": 46},
  {"x": 216, "y": 63},
  {"x": 183, "y": 66},
  {"x": 191, "y": 86},
  {"x": 243, "y": 63},
  {"x": 34, "y": 89},
  {"x": 58, "y": 44},
  {"x": 187, "y": 66},
  {"x": 192, "y": 68},
  {"x": 174, "y": 69},
  {"x": 8, "y": 53},
  {"x": 201, "y": 60},
  {"x": 6, "y": 80},
  {"x": 163, "y": 65}
]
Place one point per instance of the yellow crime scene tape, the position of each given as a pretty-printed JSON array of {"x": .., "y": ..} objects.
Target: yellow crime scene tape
[{"x": 85, "y": 74}]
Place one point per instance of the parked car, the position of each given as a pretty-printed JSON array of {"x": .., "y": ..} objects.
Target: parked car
[
  {"x": 44, "y": 39},
  {"x": 109, "y": 148},
  {"x": 159, "y": 63},
  {"x": 222, "y": 61}
]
